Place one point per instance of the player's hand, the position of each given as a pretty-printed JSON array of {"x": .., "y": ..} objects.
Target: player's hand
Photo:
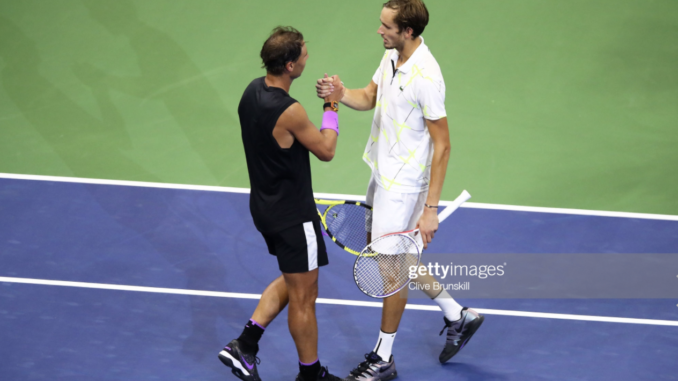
[
  {"x": 327, "y": 85},
  {"x": 338, "y": 89},
  {"x": 324, "y": 87},
  {"x": 428, "y": 225}
]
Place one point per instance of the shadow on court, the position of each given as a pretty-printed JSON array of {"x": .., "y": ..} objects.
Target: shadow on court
[
  {"x": 169, "y": 76},
  {"x": 71, "y": 132}
]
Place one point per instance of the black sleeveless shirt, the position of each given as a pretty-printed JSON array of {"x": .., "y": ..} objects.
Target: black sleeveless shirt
[{"x": 282, "y": 192}]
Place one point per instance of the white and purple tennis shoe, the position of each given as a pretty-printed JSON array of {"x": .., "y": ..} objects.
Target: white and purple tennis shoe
[
  {"x": 374, "y": 368},
  {"x": 243, "y": 365}
]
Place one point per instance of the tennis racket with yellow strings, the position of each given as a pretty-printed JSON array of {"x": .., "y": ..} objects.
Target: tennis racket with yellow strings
[{"x": 346, "y": 223}]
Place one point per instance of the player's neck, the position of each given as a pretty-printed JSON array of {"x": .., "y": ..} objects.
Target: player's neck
[
  {"x": 282, "y": 81},
  {"x": 408, "y": 48}
]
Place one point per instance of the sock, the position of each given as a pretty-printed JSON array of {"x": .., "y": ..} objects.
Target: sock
[
  {"x": 385, "y": 345},
  {"x": 250, "y": 337},
  {"x": 450, "y": 307},
  {"x": 309, "y": 372}
]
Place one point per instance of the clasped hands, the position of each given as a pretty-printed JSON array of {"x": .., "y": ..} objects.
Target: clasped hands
[{"x": 330, "y": 88}]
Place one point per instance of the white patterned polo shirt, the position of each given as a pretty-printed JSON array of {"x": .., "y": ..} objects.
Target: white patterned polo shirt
[{"x": 400, "y": 149}]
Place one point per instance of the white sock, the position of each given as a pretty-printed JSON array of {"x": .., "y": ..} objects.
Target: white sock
[
  {"x": 450, "y": 307},
  {"x": 385, "y": 345}
]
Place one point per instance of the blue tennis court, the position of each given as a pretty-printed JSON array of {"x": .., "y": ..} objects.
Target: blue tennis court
[
  {"x": 163, "y": 278},
  {"x": 139, "y": 276}
]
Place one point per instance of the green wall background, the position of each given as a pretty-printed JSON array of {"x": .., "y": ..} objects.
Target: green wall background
[{"x": 552, "y": 103}]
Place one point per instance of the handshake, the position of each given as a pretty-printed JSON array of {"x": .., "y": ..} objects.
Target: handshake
[{"x": 331, "y": 89}]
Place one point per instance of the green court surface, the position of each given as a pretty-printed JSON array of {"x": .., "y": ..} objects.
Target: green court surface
[{"x": 570, "y": 104}]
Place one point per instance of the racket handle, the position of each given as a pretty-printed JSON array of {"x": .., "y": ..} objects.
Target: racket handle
[{"x": 462, "y": 198}]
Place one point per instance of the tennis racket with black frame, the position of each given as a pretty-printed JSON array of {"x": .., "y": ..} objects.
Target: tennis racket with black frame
[{"x": 346, "y": 223}]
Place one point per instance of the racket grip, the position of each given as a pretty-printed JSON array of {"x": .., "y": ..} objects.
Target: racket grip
[{"x": 462, "y": 198}]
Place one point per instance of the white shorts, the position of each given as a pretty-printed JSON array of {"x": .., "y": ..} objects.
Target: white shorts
[{"x": 393, "y": 212}]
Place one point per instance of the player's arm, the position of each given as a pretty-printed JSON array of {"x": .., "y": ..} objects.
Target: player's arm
[
  {"x": 440, "y": 135},
  {"x": 358, "y": 99},
  {"x": 361, "y": 99},
  {"x": 294, "y": 124}
]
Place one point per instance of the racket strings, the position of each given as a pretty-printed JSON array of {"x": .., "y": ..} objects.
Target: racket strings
[
  {"x": 383, "y": 268},
  {"x": 349, "y": 224}
]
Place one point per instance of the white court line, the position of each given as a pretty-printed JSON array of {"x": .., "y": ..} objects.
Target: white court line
[
  {"x": 342, "y": 302},
  {"x": 337, "y": 196},
  {"x": 141, "y": 184}
]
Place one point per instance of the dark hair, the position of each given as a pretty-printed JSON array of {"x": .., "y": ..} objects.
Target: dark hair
[
  {"x": 282, "y": 46},
  {"x": 411, "y": 14}
]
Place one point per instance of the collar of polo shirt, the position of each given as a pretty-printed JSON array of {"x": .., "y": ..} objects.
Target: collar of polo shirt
[{"x": 416, "y": 56}]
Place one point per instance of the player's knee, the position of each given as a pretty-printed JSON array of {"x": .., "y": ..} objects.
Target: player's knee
[
  {"x": 302, "y": 286},
  {"x": 304, "y": 295}
]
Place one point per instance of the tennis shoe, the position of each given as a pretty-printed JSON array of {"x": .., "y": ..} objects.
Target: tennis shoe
[
  {"x": 323, "y": 375},
  {"x": 243, "y": 365},
  {"x": 374, "y": 369},
  {"x": 460, "y": 332}
]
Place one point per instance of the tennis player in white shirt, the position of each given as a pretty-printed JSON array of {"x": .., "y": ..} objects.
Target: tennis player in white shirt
[{"x": 408, "y": 150}]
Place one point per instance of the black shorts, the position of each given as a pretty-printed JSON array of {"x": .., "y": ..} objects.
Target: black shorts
[{"x": 299, "y": 249}]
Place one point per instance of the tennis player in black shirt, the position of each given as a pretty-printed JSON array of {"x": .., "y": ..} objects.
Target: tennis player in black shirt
[{"x": 278, "y": 136}]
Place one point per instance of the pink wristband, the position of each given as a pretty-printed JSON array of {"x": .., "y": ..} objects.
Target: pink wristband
[{"x": 330, "y": 121}]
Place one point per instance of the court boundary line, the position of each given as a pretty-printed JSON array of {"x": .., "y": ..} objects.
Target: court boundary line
[
  {"x": 338, "y": 196},
  {"x": 342, "y": 302}
]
